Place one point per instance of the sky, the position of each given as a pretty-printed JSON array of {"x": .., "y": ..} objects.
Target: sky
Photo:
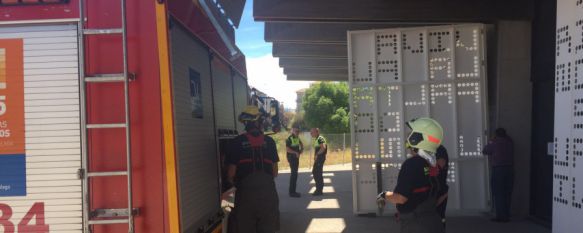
[{"x": 263, "y": 69}]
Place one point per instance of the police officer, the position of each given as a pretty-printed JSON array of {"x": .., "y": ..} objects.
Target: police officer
[
  {"x": 252, "y": 166},
  {"x": 320, "y": 151},
  {"x": 418, "y": 188},
  {"x": 294, "y": 147}
]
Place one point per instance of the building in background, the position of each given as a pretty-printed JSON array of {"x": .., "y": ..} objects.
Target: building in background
[{"x": 299, "y": 99}]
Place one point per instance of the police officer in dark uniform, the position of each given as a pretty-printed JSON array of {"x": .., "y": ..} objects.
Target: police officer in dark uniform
[
  {"x": 320, "y": 151},
  {"x": 294, "y": 147},
  {"x": 418, "y": 188},
  {"x": 252, "y": 166}
]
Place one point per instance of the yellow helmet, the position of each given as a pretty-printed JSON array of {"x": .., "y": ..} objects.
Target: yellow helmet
[
  {"x": 426, "y": 134},
  {"x": 250, "y": 113}
]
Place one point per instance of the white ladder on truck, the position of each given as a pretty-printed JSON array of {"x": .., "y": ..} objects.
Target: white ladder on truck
[{"x": 91, "y": 216}]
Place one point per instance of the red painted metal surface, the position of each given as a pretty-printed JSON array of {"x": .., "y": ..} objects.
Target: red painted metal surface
[
  {"x": 40, "y": 12},
  {"x": 105, "y": 101},
  {"x": 107, "y": 146},
  {"x": 194, "y": 19}
]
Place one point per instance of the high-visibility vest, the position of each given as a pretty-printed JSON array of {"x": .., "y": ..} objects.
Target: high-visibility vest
[{"x": 295, "y": 141}]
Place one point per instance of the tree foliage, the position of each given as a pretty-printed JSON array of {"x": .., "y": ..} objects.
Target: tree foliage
[{"x": 325, "y": 106}]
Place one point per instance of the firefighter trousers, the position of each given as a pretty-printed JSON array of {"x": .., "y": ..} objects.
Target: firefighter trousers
[
  {"x": 256, "y": 205},
  {"x": 424, "y": 219}
]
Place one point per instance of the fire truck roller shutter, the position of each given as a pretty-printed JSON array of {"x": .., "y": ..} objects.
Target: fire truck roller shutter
[
  {"x": 40, "y": 157},
  {"x": 223, "y": 94},
  {"x": 241, "y": 92},
  {"x": 195, "y": 130}
]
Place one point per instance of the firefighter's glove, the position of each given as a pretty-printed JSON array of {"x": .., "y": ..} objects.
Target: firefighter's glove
[{"x": 381, "y": 199}]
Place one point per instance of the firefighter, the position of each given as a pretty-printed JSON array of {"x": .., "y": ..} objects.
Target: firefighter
[
  {"x": 320, "y": 151},
  {"x": 294, "y": 147},
  {"x": 252, "y": 166},
  {"x": 443, "y": 165},
  {"x": 418, "y": 187}
]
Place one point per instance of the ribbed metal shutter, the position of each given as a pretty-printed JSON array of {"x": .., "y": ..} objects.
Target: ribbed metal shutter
[
  {"x": 241, "y": 93},
  {"x": 195, "y": 137},
  {"x": 223, "y": 94},
  {"x": 52, "y": 127}
]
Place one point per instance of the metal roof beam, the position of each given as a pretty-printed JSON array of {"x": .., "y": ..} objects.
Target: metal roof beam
[
  {"x": 392, "y": 10},
  {"x": 319, "y": 32},
  {"x": 312, "y": 77},
  {"x": 316, "y": 71},
  {"x": 292, "y": 62},
  {"x": 309, "y": 50}
]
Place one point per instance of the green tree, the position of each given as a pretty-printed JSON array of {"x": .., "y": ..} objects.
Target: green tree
[{"x": 326, "y": 106}]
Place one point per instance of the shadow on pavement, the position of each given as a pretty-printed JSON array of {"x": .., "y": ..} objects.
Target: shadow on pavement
[{"x": 332, "y": 212}]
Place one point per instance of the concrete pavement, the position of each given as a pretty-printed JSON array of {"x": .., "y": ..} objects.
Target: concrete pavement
[{"x": 332, "y": 212}]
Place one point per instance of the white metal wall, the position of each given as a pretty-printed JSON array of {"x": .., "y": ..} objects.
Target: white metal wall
[
  {"x": 195, "y": 138},
  {"x": 568, "y": 144},
  {"x": 52, "y": 126},
  {"x": 400, "y": 74}
]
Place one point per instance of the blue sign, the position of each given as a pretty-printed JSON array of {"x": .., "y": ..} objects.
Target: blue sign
[
  {"x": 196, "y": 94},
  {"x": 12, "y": 175}
]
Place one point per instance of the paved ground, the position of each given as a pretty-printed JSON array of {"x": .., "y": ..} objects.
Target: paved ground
[{"x": 332, "y": 213}]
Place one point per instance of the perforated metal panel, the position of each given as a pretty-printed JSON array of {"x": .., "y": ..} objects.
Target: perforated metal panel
[
  {"x": 568, "y": 151},
  {"x": 400, "y": 74}
]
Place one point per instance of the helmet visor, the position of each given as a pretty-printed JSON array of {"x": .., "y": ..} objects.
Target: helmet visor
[{"x": 415, "y": 138}]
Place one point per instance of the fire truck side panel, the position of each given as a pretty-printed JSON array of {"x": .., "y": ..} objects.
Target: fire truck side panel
[
  {"x": 223, "y": 95},
  {"x": 40, "y": 12},
  {"x": 196, "y": 146},
  {"x": 40, "y": 144},
  {"x": 194, "y": 19},
  {"x": 106, "y": 105},
  {"x": 194, "y": 118},
  {"x": 241, "y": 93}
]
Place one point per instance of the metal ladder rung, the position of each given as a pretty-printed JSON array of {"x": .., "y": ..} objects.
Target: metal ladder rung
[
  {"x": 98, "y": 174},
  {"x": 105, "y": 31},
  {"x": 113, "y": 213},
  {"x": 105, "y": 78},
  {"x": 109, "y": 221},
  {"x": 106, "y": 126}
]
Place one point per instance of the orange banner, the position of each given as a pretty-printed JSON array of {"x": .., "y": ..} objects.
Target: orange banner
[{"x": 11, "y": 97}]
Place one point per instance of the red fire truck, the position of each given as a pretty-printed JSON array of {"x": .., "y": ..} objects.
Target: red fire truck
[{"x": 111, "y": 112}]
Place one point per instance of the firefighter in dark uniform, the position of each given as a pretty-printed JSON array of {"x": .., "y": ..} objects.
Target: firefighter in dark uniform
[
  {"x": 417, "y": 190},
  {"x": 252, "y": 166},
  {"x": 320, "y": 151},
  {"x": 443, "y": 165},
  {"x": 294, "y": 147}
]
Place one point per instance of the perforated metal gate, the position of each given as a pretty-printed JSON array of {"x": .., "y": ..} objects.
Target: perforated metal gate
[
  {"x": 400, "y": 74},
  {"x": 568, "y": 145}
]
